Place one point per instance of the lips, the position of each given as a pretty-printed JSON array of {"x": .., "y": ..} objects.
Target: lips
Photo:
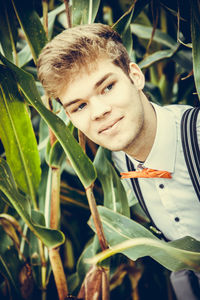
[{"x": 104, "y": 128}]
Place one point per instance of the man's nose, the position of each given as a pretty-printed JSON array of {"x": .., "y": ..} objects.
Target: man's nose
[{"x": 99, "y": 108}]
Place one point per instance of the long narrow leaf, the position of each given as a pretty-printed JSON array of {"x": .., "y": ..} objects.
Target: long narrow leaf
[
  {"x": 133, "y": 240},
  {"x": 17, "y": 135},
  {"x": 10, "y": 263},
  {"x": 123, "y": 28},
  {"x": 84, "y": 12},
  {"x": 8, "y": 267},
  {"x": 7, "y": 29},
  {"x": 156, "y": 56},
  {"x": 25, "y": 55},
  {"x": 31, "y": 25},
  {"x": 51, "y": 238},
  {"x": 181, "y": 57},
  {"x": 169, "y": 256},
  {"x": 160, "y": 37}
]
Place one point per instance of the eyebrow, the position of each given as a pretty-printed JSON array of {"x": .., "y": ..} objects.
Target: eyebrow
[
  {"x": 97, "y": 84},
  {"x": 102, "y": 80}
]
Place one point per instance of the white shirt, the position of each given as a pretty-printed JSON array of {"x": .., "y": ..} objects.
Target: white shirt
[{"x": 172, "y": 203}]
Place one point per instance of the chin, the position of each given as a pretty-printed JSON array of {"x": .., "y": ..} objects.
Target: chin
[
  {"x": 117, "y": 147},
  {"x": 125, "y": 146}
]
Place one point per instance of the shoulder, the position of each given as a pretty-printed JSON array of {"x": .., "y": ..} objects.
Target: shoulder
[{"x": 177, "y": 109}]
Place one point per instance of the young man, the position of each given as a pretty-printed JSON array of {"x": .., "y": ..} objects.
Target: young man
[{"x": 88, "y": 69}]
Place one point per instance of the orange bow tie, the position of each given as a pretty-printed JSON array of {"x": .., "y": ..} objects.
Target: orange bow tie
[{"x": 146, "y": 173}]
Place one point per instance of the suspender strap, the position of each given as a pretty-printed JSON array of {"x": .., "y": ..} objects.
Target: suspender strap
[
  {"x": 139, "y": 196},
  {"x": 136, "y": 187},
  {"x": 190, "y": 146}
]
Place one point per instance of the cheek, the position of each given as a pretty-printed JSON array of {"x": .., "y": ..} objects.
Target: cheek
[
  {"x": 124, "y": 98},
  {"x": 80, "y": 121}
]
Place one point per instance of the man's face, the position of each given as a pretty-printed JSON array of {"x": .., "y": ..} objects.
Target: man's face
[{"x": 106, "y": 106}]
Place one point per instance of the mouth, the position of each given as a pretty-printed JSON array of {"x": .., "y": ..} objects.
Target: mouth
[{"x": 109, "y": 126}]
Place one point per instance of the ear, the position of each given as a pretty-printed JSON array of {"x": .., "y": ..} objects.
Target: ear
[{"x": 136, "y": 75}]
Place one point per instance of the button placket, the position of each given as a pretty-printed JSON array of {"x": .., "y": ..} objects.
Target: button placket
[
  {"x": 162, "y": 192},
  {"x": 163, "y": 195}
]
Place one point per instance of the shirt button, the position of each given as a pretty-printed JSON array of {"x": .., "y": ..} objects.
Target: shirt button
[
  {"x": 161, "y": 186},
  {"x": 177, "y": 219}
]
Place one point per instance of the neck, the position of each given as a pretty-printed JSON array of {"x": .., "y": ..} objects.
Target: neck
[{"x": 142, "y": 144}]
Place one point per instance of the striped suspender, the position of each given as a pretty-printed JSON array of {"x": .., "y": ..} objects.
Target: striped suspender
[
  {"x": 136, "y": 188},
  {"x": 139, "y": 196},
  {"x": 190, "y": 146}
]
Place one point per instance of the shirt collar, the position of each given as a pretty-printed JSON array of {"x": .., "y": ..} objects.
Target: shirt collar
[{"x": 163, "y": 152}]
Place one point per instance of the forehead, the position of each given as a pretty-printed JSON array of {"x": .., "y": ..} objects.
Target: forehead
[{"x": 84, "y": 81}]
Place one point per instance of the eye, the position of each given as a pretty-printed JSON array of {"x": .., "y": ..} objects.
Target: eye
[
  {"x": 78, "y": 107},
  {"x": 81, "y": 106},
  {"x": 108, "y": 88}
]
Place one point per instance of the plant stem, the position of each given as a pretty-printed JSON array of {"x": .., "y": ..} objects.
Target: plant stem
[
  {"x": 55, "y": 198},
  {"x": 58, "y": 272},
  {"x": 92, "y": 203},
  {"x": 54, "y": 255},
  {"x": 45, "y": 15},
  {"x": 96, "y": 218},
  {"x": 125, "y": 14},
  {"x": 69, "y": 23},
  {"x": 43, "y": 269}
]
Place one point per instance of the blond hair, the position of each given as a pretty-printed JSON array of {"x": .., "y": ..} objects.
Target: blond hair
[{"x": 77, "y": 48}]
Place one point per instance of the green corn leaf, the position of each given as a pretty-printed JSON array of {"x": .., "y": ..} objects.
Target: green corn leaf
[
  {"x": 160, "y": 37},
  {"x": 134, "y": 241},
  {"x": 31, "y": 25},
  {"x": 56, "y": 155},
  {"x": 9, "y": 267},
  {"x": 123, "y": 28},
  {"x": 79, "y": 160},
  {"x": 169, "y": 255},
  {"x": 157, "y": 56},
  {"x": 114, "y": 194},
  {"x": 34, "y": 251},
  {"x": 24, "y": 56},
  {"x": 17, "y": 135},
  {"x": 52, "y": 16},
  {"x": 9, "y": 262},
  {"x": 85, "y": 11},
  {"x": 182, "y": 57},
  {"x": 195, "y": 25},
  {"x": 3, "y": 201},
  {"x": 8, "y": 29},
  {"x": 51, "y": 238}
]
